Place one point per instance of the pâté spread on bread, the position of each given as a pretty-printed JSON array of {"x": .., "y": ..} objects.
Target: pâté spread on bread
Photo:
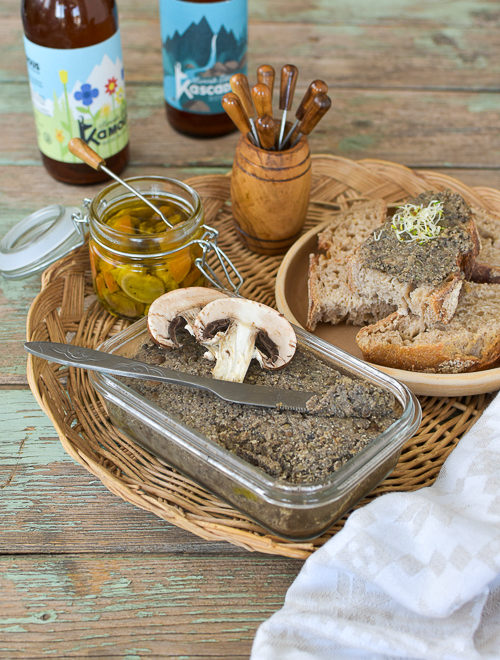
[
  {"x": 422, "y": 252},
  {"x": 404, "y": 280},
  {"x": 346, "y": 413}
]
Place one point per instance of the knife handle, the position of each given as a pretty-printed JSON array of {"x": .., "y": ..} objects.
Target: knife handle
[{"x": 88, "y": 358}]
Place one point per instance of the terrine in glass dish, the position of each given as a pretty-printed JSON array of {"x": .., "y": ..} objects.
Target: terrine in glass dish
[{"x": 317, "y": 467}]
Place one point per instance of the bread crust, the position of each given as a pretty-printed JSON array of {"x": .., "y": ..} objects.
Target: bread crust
[
  {"x": 440, "y": 305},
  {"x": 486, "y": 266},
  {"x": 465, "y": 260},
  {"x": 314, "y": 309},
  {"x": 484, "y": 272},
  {"x": 399, "y": 341}
]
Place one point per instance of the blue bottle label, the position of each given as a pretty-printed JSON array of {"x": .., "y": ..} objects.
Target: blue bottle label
[
  {"x": 78, "y": 92},
  {"x": 203, "y": 45}
]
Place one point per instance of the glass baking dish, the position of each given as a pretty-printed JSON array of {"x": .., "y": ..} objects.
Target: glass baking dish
[{"x": 296, "y": 512}]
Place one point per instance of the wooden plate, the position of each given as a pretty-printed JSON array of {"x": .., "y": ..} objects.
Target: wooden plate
[{"x": 292, "y": 302}]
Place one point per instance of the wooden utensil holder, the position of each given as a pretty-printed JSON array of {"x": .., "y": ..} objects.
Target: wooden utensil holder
[{"x": 270, "y": 195}]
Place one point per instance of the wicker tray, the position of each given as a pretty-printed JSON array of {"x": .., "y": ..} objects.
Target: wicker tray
[{"x": 66, "y": 311}]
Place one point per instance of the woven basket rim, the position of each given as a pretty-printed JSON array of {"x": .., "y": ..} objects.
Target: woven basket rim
[{"x": 445, "y": 419}]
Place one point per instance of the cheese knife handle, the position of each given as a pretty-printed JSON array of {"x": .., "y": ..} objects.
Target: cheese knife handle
[
  {"x": 232, "y": 105},
  {"x": 239, "y": 85},
  {"x": 266, "y": 128},
  {"x": 266, "y": 75},
  {"x": 261, "y": 95},
  {"x": 289, "y": 75}
]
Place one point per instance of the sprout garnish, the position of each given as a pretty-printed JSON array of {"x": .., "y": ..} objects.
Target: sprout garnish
[{"x": 413, "y": 222}]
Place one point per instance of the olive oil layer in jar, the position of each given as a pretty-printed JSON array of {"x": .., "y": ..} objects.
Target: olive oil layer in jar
[{"x": 134, "y": 255}]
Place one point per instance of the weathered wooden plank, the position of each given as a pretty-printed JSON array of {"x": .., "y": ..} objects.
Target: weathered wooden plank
[
  {"x": 465, "y": 13},
  {"x": 138, "y": 606},
  {"x": 417, "y": 128},
  {"x": 388, "y": 54},
  {"x": 19, "y": 199},
  {"x": 361, "y": 12},
  {"x": 50, "y": 504}
]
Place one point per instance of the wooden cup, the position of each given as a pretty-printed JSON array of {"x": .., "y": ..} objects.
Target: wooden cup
[{"x": 270, "y": 195}]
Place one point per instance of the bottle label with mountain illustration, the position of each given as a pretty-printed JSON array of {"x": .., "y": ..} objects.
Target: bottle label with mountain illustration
[
  {"x": 78, "y": 92},
  {"x": 204, "y": 44}
]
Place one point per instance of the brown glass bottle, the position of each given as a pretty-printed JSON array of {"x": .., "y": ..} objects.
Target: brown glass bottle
[
  {"x": 71, "y": 24},
  {"x": 213, "y": 121},
  {"x": 198, "y": 125}
]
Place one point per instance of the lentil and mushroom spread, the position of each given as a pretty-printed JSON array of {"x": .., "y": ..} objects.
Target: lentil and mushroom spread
[
  {"x": 295, "y": 447},
  {"x": 429, "y": 262}
]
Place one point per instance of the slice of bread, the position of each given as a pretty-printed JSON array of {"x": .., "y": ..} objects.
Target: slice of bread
[
  {"x": 420, "y": 277},
  {"x": 330, "y": 298},
  {"x": 469, "y": 342},
  {"x": 486, "y": 266}
]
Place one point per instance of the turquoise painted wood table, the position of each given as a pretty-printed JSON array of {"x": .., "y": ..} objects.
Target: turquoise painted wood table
[{"x": 83, "y": 573}]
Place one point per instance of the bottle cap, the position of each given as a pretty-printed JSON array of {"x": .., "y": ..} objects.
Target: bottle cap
[{"x": 38, "y": 240}]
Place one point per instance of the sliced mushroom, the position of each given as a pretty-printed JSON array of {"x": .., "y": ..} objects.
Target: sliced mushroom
[
  {"x": 236, "y": 330},
  {"x": 175, "y": 310}
]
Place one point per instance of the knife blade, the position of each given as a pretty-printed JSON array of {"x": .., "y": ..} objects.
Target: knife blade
[{"x": 243, "y": 393}]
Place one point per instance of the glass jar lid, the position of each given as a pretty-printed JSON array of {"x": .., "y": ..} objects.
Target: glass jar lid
[{"x": 38, "y": 240}]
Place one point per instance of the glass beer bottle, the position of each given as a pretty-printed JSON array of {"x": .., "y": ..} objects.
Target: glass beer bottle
[
  {"x": 204, "y": 42},
  {"x": 75, "y": 68}
]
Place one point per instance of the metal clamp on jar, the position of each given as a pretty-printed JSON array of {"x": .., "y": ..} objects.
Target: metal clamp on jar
[{"x": 146, "y": 237}]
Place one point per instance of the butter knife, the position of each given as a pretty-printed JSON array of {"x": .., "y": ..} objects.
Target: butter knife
[{"x": 244, "y": 393}]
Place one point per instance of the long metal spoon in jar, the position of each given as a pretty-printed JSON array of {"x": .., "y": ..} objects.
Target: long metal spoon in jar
[{"x": 85, "y": 153}]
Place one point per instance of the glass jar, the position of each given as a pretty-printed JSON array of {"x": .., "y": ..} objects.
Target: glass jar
[{"x": 135, "y": 257}]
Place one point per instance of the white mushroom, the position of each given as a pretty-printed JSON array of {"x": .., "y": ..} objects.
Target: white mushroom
[
  {"x": 236, "y": 330},
  {"x": 175, "y": 310}
]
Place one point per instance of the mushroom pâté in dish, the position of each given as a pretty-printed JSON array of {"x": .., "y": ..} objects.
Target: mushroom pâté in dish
[
  {"x": 235, "y": 331},
  {"x": 176, "y": 310}
]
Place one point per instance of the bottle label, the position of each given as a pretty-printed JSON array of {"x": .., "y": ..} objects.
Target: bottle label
[
  {"x": 78, "y": 92},
  {"x": 203, "y": 44}
]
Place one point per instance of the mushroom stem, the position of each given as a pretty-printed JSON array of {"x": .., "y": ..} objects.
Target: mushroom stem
[
  {"x": 235, "y": 330},
  {"x": 234, "y": 352}
]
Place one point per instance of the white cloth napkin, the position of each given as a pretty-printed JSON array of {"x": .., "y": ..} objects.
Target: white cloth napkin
[{"x": 411, "y": 575}]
